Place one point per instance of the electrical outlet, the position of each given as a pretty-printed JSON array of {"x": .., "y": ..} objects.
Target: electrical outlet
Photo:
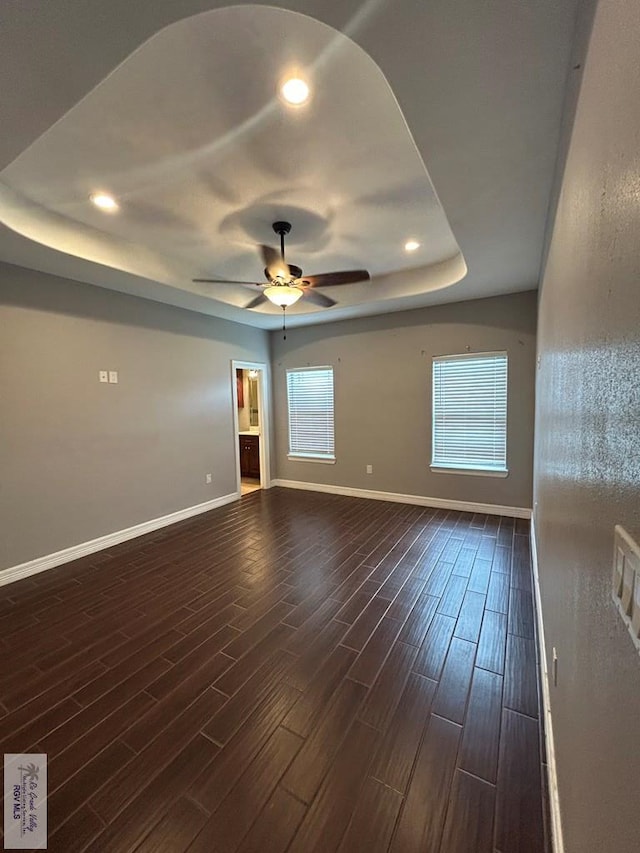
[
  {"x": 369, "y": 469},
  {"x": 113, "y": 377},
  {"x": 103, "y": 376},
  {"x": 207, "y": 478}
]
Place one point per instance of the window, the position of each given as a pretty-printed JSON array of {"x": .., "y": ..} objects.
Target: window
[
  {"x": 470, "y": 412},
  {"x": 310, "y": 399}
]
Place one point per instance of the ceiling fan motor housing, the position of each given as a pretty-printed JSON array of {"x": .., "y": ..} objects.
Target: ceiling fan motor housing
[{"x": 295, "y": 274}]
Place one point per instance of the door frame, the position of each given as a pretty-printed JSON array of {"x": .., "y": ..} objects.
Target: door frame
[{"x": 264, "y": 408}]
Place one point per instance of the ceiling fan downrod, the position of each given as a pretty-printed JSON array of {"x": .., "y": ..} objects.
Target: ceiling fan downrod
[{"x": 282, "y": 228}]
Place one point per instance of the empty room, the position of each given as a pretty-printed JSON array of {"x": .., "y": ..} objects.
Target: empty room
[{"x": 319, "y": 426}]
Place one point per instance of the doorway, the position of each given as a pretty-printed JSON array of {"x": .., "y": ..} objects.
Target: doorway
[{"x": 251, "y": 426}]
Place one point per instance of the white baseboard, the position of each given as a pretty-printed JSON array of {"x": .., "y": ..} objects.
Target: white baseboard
[
  {"x": 417, "y": 500},
  {"x": 554, "y": 798},
  {"x": 49, "y": 561}
]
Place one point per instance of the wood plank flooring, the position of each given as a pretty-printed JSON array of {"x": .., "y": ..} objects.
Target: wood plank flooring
[{"x": 293, "y": 672}]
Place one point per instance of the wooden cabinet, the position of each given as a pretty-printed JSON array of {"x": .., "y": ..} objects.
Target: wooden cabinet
[{"x": 250, "y": 456}]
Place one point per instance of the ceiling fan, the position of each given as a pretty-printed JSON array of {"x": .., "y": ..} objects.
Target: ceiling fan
[{"x": 285, "y": 282}]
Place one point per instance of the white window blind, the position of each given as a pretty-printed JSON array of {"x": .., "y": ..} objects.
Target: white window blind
[
  {"x": 310, "y": 399},
  {"x": 470, "y": 411}
]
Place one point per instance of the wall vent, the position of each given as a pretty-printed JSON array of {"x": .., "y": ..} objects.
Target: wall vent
[{"x": 626, "y": 581}]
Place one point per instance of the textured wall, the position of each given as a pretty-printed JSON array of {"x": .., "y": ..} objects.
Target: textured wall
[
  {"x": 382, "y": 380},
  {"x": 80, "y": 459},
  {"x": 587, "y": 469}
]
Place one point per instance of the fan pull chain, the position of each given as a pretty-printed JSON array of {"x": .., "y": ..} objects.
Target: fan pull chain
[{"x": 284, "y": 325}]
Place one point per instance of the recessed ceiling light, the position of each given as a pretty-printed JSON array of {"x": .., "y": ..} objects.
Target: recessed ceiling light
[
  {"x": 104, "y": 201},
  {"x": 411, "y": 245},
  {"x": 295, "y": 91}
]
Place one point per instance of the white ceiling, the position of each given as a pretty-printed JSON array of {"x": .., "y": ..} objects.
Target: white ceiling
[{"x": 183, "y": 124}]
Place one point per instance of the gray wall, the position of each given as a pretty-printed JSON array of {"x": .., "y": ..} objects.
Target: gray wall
[
  {"x": 382, "y": 380},
  {"x": 587, "y": 469},
  {"x": 80, "y": 459}
]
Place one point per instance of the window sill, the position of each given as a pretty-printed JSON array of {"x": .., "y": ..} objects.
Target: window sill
[
  {"x": 474, "y": 472},
  {"x": 324, "y": 460}
]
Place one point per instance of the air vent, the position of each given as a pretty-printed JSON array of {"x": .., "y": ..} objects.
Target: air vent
[{"x": 626, "y": 581}]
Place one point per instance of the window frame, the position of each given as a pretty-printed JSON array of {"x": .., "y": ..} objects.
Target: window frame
[
  {"x": 483, "y": 469},
  {"x": 304, "y": 455}
]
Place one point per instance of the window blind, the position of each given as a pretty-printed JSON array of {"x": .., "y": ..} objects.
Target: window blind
[
  {"x": 311, "y": 416},
  {"x": 470, "y": 411}
]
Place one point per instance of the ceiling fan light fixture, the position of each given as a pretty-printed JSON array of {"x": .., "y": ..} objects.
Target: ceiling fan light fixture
[
  {"x": 282, "y": 295},
  {"x": 295, "y": 91},
  {"x": 104, "y": 201}
]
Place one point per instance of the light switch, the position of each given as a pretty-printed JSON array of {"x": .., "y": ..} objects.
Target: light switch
[
  {"x": 103, "y": 376},
  {"x": 369, "y": 469},
  {"x": 113, "y": 377}
]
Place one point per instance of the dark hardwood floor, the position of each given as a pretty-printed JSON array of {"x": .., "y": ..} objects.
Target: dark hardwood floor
[{"x": 293, "y": 672}]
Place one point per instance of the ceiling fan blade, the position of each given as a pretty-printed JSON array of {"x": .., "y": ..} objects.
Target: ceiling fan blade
[
  {"x": 319, "y": 298},
  {"x": 223, "y": 281},
  {"x": 273, "y": 261},
  {"x": 259, "y": 300},
  {"x": 328, "y": 279}
]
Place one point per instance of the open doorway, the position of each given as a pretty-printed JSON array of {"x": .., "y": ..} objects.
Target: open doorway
[{"x": 250, "y": 398}]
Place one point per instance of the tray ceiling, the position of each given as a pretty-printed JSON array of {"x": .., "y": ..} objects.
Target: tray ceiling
[{"x": 189, "y": 134}]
